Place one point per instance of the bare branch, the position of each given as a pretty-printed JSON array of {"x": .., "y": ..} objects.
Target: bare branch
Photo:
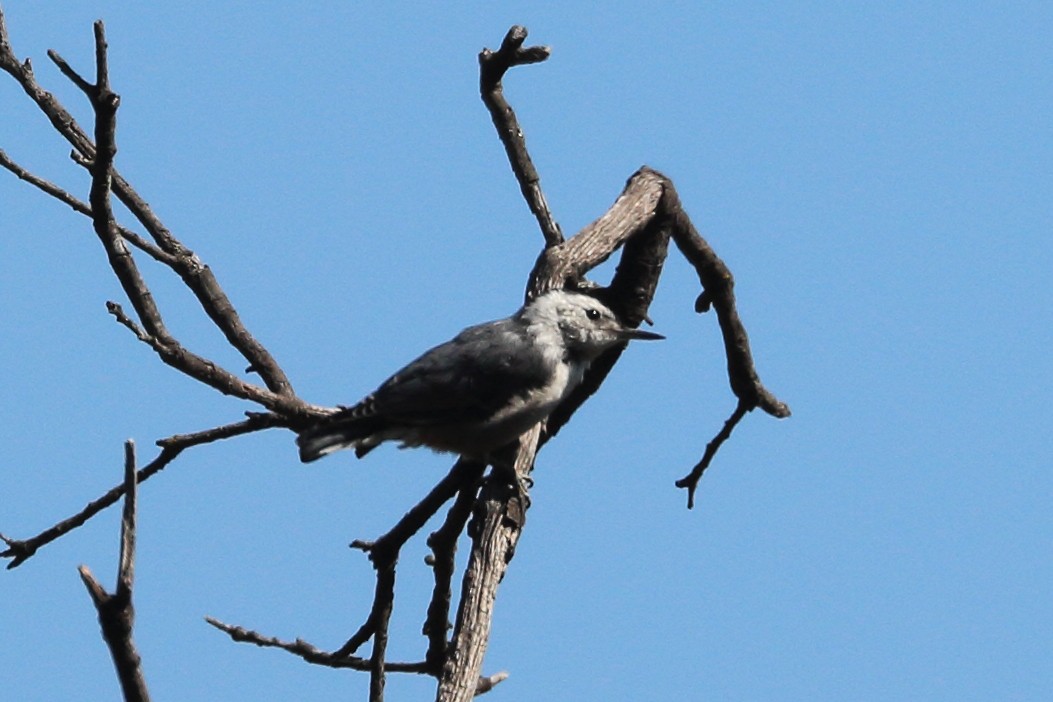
[
  {"x": 116, "y": 613},
  {"x": 632, "y": 224},
  {"x": 565, "y": 265},
  {"x": 690, "y": 481},
  {"x": 384, "y": 552},
  {"x": 105, "y": 102},
  {"x": 80, "y": 206},
  {"x": 197, "y": 276},
  {"x": 718, "y": 291},
  {"x": 67, "y": 70},
  {"x": 60, "y": 118},
  {"x": 21, "y": 550},
  {"x": 126, "y": 564},
  {"x": 256, "y": 421},
  {"x": 642, "y": 220},
  {"x": 384, "y": 601},
  {"x": 492, "y": 68},
  {"x": 311, "y": 653},
  {"x": 495, "y": 529},
  {"x": 201, "y": 281},
  {"x": 176, "y": 355},
  {"x": 443, "y": 544}
]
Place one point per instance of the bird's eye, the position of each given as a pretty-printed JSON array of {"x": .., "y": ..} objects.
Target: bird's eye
[{"x": 592, "y": 314}]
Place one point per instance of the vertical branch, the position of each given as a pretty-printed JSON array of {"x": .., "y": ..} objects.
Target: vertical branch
[
  {"x": 495, "y": 529},
  {"x": 126, "y": 561},
  {"x": 385, "y": 594},
  {"x": 443, "y": 544},
  {"x": 105, "y": 102},
  {"x": 492, "y": 68},
  {"x": 116, "y": 613}
]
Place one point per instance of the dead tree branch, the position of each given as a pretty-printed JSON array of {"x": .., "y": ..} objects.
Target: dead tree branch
[
  {"x": 311, "y": 653},
  {"x": 492, "y": 67},
  {"x": 491, "y": 507},
  {"x": 641, "y": 221},
  {"x": 116, "y": 613},
  {"x": 443, "y": 544},
  {"x": 500, "y": 514},
  {"x": 384, "y": 552},
  {"x": 21, "y": 550},
  {"x": 278, "y": 395},
  {"x": 97, "y": 156}
]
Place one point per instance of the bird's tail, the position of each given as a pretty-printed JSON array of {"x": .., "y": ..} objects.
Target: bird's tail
[{"x": 341, "y": 431}]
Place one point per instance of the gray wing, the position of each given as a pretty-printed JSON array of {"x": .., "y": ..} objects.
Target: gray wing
[{"x": 466, "y": 379}]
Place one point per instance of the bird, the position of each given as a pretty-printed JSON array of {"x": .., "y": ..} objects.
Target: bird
[{"x": 485, "y": 387}]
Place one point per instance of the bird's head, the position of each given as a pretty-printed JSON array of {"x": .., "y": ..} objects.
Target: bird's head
[{"x": 587, "y": 326}]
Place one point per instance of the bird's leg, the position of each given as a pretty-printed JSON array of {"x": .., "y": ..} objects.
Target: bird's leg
[
  {"x": 515, "y": 484},
  {"x": 524, "y": 483}
]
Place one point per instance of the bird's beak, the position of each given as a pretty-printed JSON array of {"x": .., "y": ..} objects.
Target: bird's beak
[{"x": 640, "y": 334}]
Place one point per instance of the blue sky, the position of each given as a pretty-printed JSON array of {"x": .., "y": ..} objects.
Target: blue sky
[{"x": 878, "y": 177}]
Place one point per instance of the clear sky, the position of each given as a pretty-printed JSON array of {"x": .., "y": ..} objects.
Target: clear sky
[{"x": 877, "y": 176}]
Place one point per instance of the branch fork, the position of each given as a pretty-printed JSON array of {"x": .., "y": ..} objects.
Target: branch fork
[{"x": 490, "y": 507}]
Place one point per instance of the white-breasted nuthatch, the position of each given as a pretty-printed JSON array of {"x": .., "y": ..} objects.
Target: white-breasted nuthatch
[{"x": 485, "y": 387}]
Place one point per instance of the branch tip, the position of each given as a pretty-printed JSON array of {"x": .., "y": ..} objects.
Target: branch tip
[
  {"x": 71, "y": 73},
  {"x": 126, "y": 567},
  {"x": 690, "y": 481},
  {"x": 95, "y": 590},
  {"x": 489, "y": 683}
]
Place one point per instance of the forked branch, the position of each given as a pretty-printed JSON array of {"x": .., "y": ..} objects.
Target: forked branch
[
  {"x": 492, "y": 68},
  {"x": 116, "y": 613},
  {"x": 640, "y": 222},
  {"x": 492, "y": 507}
]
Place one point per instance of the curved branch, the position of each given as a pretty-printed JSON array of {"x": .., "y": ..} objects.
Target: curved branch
[{"x": 718, "y": 291}]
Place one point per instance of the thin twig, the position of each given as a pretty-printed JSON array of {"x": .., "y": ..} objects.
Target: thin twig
[
  {"x": 20, "y": 550},
  {"x": 80, "y": 206},
  {"x": 310, "y": 653},
  {"x": 690, "y": 481}
]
